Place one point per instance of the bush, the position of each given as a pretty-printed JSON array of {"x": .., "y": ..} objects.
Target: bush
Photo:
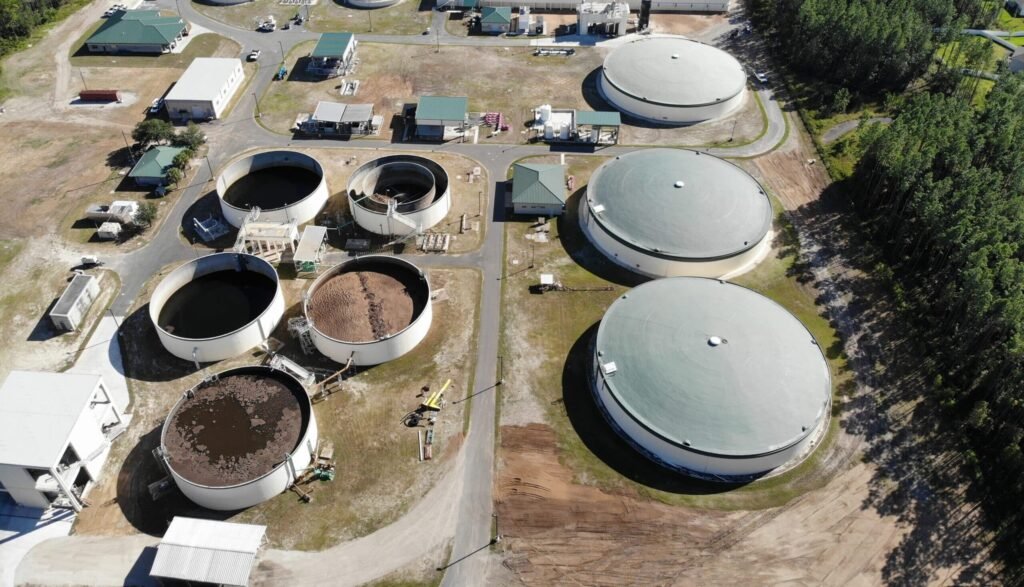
[
  {"x": 145, "y": 216},
  {"x": 175, "y": 175},
  {"x": 151, "y": 132},
  {"x": 192, "y": 137}
]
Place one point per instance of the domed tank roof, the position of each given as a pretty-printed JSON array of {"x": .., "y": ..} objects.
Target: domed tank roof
[
  {"x": 713, "y": 367},
  {"x": 680, "y": 204},
  {"x": 674, "y": 71}
]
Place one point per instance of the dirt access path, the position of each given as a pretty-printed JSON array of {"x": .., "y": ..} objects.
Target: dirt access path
[{"x": 878, "y": 518}]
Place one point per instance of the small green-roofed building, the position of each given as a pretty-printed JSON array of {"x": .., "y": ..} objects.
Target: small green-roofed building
[
  {"x": 152, "y": 168},
  {"x": 598, "y": 127},
  {"x": 333, "y": 54},
  {"x": 441, "y": 117},
  {"x": 495, "y": 19},
  {"x": 538, "y": 190},
  {"x": 137, "y": 31},
  {"x": 592, "y": 118}
]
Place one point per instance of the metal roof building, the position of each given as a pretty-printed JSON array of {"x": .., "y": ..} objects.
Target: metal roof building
[
  {"x": 440, "y": 117},
  {"x": 710, "y": 378},
  {"x": 205, "y": 89},
  {"x": 137, "y": 31},
  {"x": 672, "y": 80},
  {"x": 74, "y": 304},
  {"x": 538, "y": 189},
  {"x": 154, "y": 164},
  {"x": 333, "y": 53},
  {"x": 208, "y": 551},
  {"x": 673, "y": 212}
]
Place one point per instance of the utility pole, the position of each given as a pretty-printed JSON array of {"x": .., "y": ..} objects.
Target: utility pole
[
  {"x": 479, "y": 203},
  {"x": 85, "y": 86},
  {"x": 437, "y": 38},
  {"x": 257, "y": 101},
  {"x": 210, "y": 165},
  {"x": 131, "y": 156},
  {"x": 501, "y": 370},
  {"x": 733, "y": 132},
  {"x": 369, "y": 15},
  {"x": 531, "y": 255}
]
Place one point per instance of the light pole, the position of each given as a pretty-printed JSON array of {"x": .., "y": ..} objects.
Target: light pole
[
  {"x": 497, "y": 531},
  {"x": 257, "y": 101},
  {"x": 210, "y": 165},
  {"x": 479, "y": 203},
  {"x": 131, "y": 156},
  {"x": 733, "y": 132},
  {"x": 531, "y": 255},
  {"x": 501, "y": 370}
]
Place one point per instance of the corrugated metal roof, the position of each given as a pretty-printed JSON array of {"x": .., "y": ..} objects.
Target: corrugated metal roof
[
  {"x": 209, "y": 551},
  {"x": 312, "y": 238},
  {"x": 329, "y": 111},
  {"x": 204, "y": 78},
  {"x": 496, "y": 15},
  {"x": 357, "y": 113},
  {"x": 598, "y": 118},
  {"x": 332, "y": 45},
  {"x": 38, "y": 410},
  {"x": 538, "y": 184},
  {"x": 155, "y": 162},
  {"x": 444, "y": 108},
  {"x": 138, "y": 27}
]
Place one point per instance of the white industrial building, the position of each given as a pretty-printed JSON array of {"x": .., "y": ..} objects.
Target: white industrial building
[
  {"x": 672, "y": 80},
  {"x": 710, "y": 378},
  {"x": 55, "y": 434},
  {"x": 71, "y": 308},
  {"x": 205, "y": 89},
  {"x": 208, "y": 551},
  {"x": 676, "y": 212},
  {"x": 602, "y": 18}
]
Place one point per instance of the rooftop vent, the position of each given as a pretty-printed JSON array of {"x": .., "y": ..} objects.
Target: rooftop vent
[{"x": 609, "y": 368}]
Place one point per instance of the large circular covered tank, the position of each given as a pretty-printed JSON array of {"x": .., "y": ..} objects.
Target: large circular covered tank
[
  {"x": 217, "y": 307},
  {"x": 369, "y": 309},
  {"x": 710, "y": 378},
  {"x": 399, "y": 194},
  {"x": 672, "y": 80},
  {"x": 284, "y": 185},
  {"x": 240, "y": 437},
  {"x": 676, "y": 212},
  {"x": 372, "y": 3}
]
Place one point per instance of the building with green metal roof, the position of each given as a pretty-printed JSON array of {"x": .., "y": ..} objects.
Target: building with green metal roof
[
  {"x": 152, "y": 168},
  {"x": 495, "y": 19},
  {"x": 538, "y": 190},
  {"x": 710, "y": 378},
  {"x": 441, "y": 117},
  {"x": 137, "y": 31},
  {"x": 673, "y": 212},
  {"x": 333, "y": 54}
]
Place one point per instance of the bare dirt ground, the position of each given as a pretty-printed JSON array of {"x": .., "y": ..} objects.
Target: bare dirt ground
[
  {"x": 392, "y": 76},
  {"x": 685, "y": 24},
  {"x": 874, "y": 513},
  {"x": 379, "y": 475}
]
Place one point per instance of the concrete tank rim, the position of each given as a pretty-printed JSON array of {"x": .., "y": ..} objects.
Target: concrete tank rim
[
  {"x": 648, "y": 247},
  {"x": 270, "y": 371},
  {"x": 823, "y": 411},
  {"x": 319, "y": 170},
  {"x": 155, "y": 319},
  {"x": 337, "y": 269},
  {"x": 403, "y": 158},
  {"x": 674, "y": 45}
]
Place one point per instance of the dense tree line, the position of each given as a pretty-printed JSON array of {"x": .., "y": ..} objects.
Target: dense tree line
[
  {"x": 866, "y": 45},
  {"x": 18, "y": 18},
  {"x": 943, "y": 188}
]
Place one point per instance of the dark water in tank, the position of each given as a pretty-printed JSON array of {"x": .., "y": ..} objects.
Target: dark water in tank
[
  {"x": 217, "y": 303},
  {"x": 273, "y": 187}
]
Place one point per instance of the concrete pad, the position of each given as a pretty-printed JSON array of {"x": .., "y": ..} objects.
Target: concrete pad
[
  {"x": 89, "y": 560},
  {"x": 23, "y": 528},
  {"x": 102, "y": 356}
]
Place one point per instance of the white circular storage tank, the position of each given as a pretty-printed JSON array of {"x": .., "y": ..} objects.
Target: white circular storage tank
[
  {"x": 399, "y": 194},
  {"x": 372, "y": 3},
  {"x": 369, "y": 310},
  {"x": 676, "y": 212},
  {"x": 217, "y": 307},
  {"x": 284, "y": 185},
  {"x": 672, "y": 80},
  {"x": 239, "y": 438},
  {"x": 710, "y": 378}
]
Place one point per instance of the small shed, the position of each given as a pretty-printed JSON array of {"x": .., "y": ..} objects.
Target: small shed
[
  {"x": 333, "y": 54},
  {"x": 495, "y": 19},
  {"x": 208, "y": 551},
  {"x": 108, "y": 231},
  {"x": 338, "y": 118},
  {"x": 441, "y": 117},
  {"x": 598, "y": 127},
  {"x": 75, "y": 302},
  {"x": 310, "y": 251},
  {"x": 538, "y": 189},
  {"x": 152, "y": 168}
]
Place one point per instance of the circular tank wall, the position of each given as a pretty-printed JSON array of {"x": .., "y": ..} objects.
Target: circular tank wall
[
  {"x": 676, "y": 212},
  {"x": 415, "y": 189},
  {"x": 217, "y": 307},
  {"x": 710, "y": 378},
  {"x": 672, "y": 80},
  {"x": 239, "y": 438},
  {"x": 285, "y": 185},
  {"x": 370, "y": 309},
  {"x": 372, "y": 3}
]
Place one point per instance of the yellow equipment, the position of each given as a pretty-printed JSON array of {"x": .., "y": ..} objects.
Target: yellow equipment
[{"x": 433, "y": 403}]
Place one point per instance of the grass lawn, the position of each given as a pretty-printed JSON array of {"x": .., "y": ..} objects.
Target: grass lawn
[
  {"x": 1005, "y": 22},
  {"x": 547, "y": 347},
  {"x": 407, "y": 17},
  {"x": 204, "y": 45}
]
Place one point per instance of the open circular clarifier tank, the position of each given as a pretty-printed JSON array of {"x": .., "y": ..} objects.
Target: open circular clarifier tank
[
  {"x": 217, "y": 307},
  {"x": 399, "y": 194},
  {"x": 240, "y": 437},
  {"x": 284, "y": 185},
  {"x": 369, "y": 309}
]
